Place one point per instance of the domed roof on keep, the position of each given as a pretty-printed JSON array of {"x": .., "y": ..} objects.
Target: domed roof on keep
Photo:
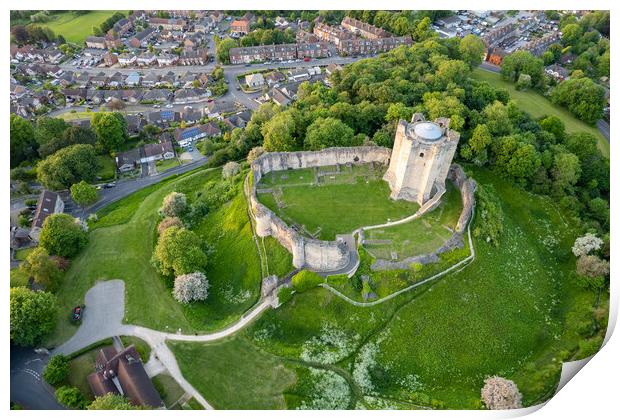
[{"x": 428, "y": 130}]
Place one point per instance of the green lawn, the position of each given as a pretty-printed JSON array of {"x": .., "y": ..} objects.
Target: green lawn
[
  {"x": 251, "y": 379},
  {"x": 169, "y": 390},
  {"x": 83, "y": 365},
  {"x": 164, "y": 165},
  {"x": 78, "y": 115},
  {"x": 76, "y": 28},
  {"x": 121, "y": 244},
  {"x": 513, "y": 312},
  {"x": 420, "y": 236},
  {"x": 338, "y": 204},
  {"x": 22, "y": 254},
  {"x": 108, "y": 168},
  {"x": 537, "y": 105},
  {"x": 142, "y": 347}
]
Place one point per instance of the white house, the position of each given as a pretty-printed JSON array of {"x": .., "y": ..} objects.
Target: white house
[{"x": 254, "y": 80}]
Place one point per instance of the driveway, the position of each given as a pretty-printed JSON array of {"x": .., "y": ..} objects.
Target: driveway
[{"x": 103, "y": 316}]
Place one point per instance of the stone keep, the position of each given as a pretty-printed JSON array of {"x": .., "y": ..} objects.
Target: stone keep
[{"x": 421, "y": 157}]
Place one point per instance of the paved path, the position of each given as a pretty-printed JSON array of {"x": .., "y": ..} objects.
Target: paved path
[{"x": 103, "y": 317}]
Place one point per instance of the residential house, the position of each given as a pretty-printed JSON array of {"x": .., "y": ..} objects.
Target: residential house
[
  {"x": 156, "y": 151},
  {"x": 274, "y": 77},
  {"x": 49, "y": 203},
  {"x": 240, "y": 27},
  {"x": 191, "y": 115},
  {"x": 150, "y": 79},
  {"x": 97, "y": 42},
  {"x": 99, "y": 80},
  {"x": 166, "y": 60},
  {"x": 186, "y": 136},
  {"x": 163, "y": 117},
  {"x": 558, "y": 72},
  {"x": 238, "y": 120},
  {"x": 133, "y": 79},
  {"x": 123, "y": 373},
  {"x": 126, "y": 161},
  {"x": 278, "y": 96},
  {"x": 116, "y": 80},
  {"x": 135, "y": 124},
  {"x": 298, "y": 74},
  {"x": 169, "y": 24},
  {"x": 312, "y": 50},
  {"x": 205, "y": 25},
  {"x": 146, "y": 59},
  {"x": 141, "y": 38},
  {"x": 156, "y": 95},
  {"x": 254, "y": 80},
  {"x": 364, "y": 29},
  {"x": 198, "y": 57},
  {"x": 217, "y": 109},
  {"x": 185, "y": 96},
  {"x": 110, "y": 59}
]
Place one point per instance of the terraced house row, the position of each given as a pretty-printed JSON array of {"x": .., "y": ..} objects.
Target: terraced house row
[{"x": 280, "y": 52}]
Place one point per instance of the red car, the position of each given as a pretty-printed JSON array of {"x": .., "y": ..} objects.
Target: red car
[
  {"x": 306, "y": 59},
  {"x": 77, "y": 313}
]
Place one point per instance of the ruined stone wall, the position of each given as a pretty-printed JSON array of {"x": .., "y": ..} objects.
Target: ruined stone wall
[
  {"x": 313, "y": 254},
  {"x": 467, "y": 187}
]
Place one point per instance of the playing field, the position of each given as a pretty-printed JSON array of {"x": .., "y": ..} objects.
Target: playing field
[
  {"x": 327, "y": 201},
  {"x": 76, "y": 28},
  {"x": 537, "y": 106}
]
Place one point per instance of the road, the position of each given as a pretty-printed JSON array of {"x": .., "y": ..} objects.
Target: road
[
  {"x": 27, "y": 387},
  {"x": 124, "y": 187},
  {"x": 602, "y": 125}
]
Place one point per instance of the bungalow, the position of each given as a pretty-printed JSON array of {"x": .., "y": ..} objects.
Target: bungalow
[
  {"x": 205, "y": 25},
  {"x": 156, "y": 95},
  {"x": 126, "y": 161},
  {"x": 83, "y": 80},
  {"x": 99, "y": 80},
  {"x": 123, "y": 373},
  {"x": 168, "y": 79},
  {"x": 298, "y": 74},
  {"x": 191, "y": 115},
  {"x": 217, "y": 109},
  {"x": 133, "y": 79},
  {"x": 279, "y": 97},
  {"x": 185, "y": 136},
  {"x": 254, "y": 80},
  {"x": 235, "y": 121},
  {"x": 163, "y": 117},
  {"x": 274, "y": 78},
  {"x": 116, "y": 80},
  {"x": 185, "y": 96},
  {"x": 49, "y": 203},
  {"x": 74, "y": 95},
  {"x": 131, "y": 96},
  {"x": 150, "y": 79},
  {"x": 135, "y": 124},
  {"x": 156, "y": 151},
  {"x": 97, "y": 42}
]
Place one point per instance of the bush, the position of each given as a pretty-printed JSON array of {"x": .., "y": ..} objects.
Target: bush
[
  {"x": 70, "y": 397},
  {"x": 500, "y": 394},
  {"x": 179, "y": 251},
  {"x": 586, "y": 244},
  {"x": 285, "y": 294},
  {"x": 305, "y": 280},
  {"x": 230, "y": 169},
  {"x": 57, "y": 370},
  {"x": 168, "y": 222}
]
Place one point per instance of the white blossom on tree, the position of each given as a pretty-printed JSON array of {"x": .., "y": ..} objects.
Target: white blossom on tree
[
  {"x": 500, "y": 394},
  {"x": 231, "y": 169},
  {"x": 586, "y": 244},
  {"x": 168, "y": 222},
  {"x": 174, "y": 204},
  {"x": 191, "y": 287}
]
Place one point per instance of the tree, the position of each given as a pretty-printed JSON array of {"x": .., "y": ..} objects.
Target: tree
[
  {"x": 70, "y": 136},
  {"x": 168, "y": 222},
  {"x": 279, "y": 133},
  {"x": 599, "y": 207},
  {"x": 62, "y": 235},
  {"x": 70, "y": 397},
  {"x": 582, "y": 97},
  {"x": 592, "y": 266},
  {"x": 571, "y": 34},
  {"x": 68, "y": 166},
  {"x": 191, "y": 287},
  {"x": 230, "y": 169},
  {"x": 565, "y": 171},
  {"x": 223, "y": 49},
  {"x": 328, "y": 132},
  {"x": 42, "y": 269},
  {"x": 175, "y": 204},
  {"x": 84, "y": 194},
  {"x": 524, "y": 82},
  {"x": 49, "y": 134},
  {"x": 586, "y": 244},
  {"x": 523, "y": 62},
  {"x": 115, "y": 105},
  {"x": 477, "y": 145},
  {"x": 111, "y": 130},
  {"x": 33, "y": 316},
  {"x": 500, "y": 394},
  {"x": 57, "y": 370},
  {"x": 178, "y": 252},
  {"x": 23, "y": 145},
  {"x": 111, "y": 402},
  {"x": 471, "y": 49},
  {"x": 555, "y": 126}
]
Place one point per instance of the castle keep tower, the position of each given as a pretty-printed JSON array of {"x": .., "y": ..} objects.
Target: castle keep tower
[{"x": 421, "y": 157}]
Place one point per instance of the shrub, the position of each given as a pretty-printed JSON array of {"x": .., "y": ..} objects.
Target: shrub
[
  {"x": 174, "y": 204},
  {"x": 491, "y": 217},
  {"x": 57, "y": 370},
  {"x": 285, "y": 294},
  {"x": 70, "y": 397},
  {"x": 111, "y": 402},
  {"x": 592, "y": 266},
  {"x": 305, "y": 280},
  {"x": 191, "y": 287},
  {"x": 500, "y": 394},
  {"x": 168, "y": 222}
]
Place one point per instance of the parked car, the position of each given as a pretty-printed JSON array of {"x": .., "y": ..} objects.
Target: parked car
[
  {"x": 306, "y": 59},
  {"x": 169, "y": 106},
  {"x": 76, "y": 315},
  {"x": 156, "y": 106},
  {"x": 109, "y": 185}
]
